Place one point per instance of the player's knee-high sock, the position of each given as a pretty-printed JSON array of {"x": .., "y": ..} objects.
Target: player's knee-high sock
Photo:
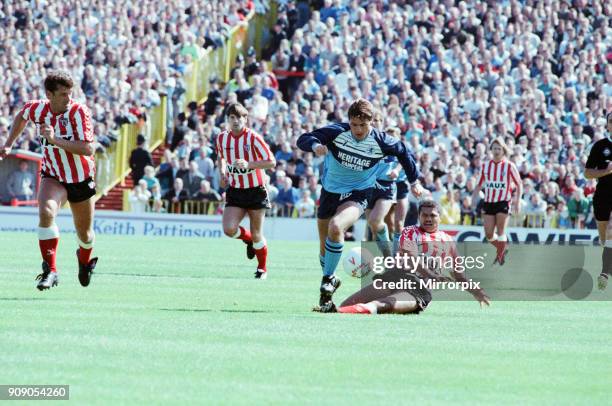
[
  {"x": 322, "y": 261},
  {"x": 85, "y": 249},
  {"x": 383, "y": 242},
  {"x": 606, "y": 258},
  {"x": 261, "y": 251},
  {"x": 502, "y": 241},
  {"x": 48, "y": 239},
  {"x": 244, "y": 235},
  {"x": 333, "y": 253},
  {"x": 493, "y": 241},
  {"x": 396, "y": 238}
]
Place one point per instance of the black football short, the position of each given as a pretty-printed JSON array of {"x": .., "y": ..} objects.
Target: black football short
[
  {"x": 77, "y": 192},
  {"x": 602, "y": 207},
  {"x": 421, "y": 295},
  {"x": 384, "y": 191},
  {"x": 402, "y": 190},
  {"x": 254, "y": 198},
  {"x": 329, "y": 202},
  {"x": 496, "y": 207}
]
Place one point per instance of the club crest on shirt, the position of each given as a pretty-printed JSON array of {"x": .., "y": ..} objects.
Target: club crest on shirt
[{"x": 63, "y": 121}]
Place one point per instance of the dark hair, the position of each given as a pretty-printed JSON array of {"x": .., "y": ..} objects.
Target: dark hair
[
  {"x": 58, "y": 78},
  {"x": 140, "y": 139},
  {"x": 237, "y": 109},
  {"x": 429, "y": 203},
  {"x": 362, "y": 109}
]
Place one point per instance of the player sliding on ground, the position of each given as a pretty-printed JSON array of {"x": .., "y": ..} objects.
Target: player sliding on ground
[
  {"x": 497, "y": 178},
  {"x": 67, "y": 172},
  {"x": 243, "y": 157},
  {"x": 352, "y": 153},
  {"x": 599, "y": 166},
  {"x": 421, "y": 241}
]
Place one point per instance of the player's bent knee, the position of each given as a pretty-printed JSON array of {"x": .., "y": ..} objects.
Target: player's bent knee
[
  {"x": 230, "y": 231},
  {"x": 334, "y": 230},
  {"x": 47, "y": 212}
]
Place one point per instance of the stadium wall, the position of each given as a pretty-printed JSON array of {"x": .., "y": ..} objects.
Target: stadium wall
[{"x": 25, "y": 219}]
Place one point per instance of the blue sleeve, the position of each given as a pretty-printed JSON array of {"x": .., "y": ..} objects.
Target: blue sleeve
[
  {"x": 321, "y": 136},
  {"x": 392, "y": 146}
]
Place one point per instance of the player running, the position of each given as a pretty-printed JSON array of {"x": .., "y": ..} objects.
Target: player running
[
  {"x": 352, "y": 153},
  {"x": 497, "y": 177},
  {"x": 243, "y": 157},
  {"x": 424, "y": 240},
  {"x": 67, "y": 172},
  {"x": 599, "y": 166}
]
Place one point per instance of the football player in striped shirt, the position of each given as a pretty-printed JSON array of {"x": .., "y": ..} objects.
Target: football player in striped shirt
[
  {"x": 498, "y": 178},
  {"x": 423, "y": 240},
  {"x": 599, "y": 166},
  {"x": 67, "y": 172},
  {"x": 243, "y": 156},
  {"x": 352, "y": 153}
]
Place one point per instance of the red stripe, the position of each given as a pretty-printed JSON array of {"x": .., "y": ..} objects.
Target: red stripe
[
  {"x": 89, "y": 169},
  {"x": 259, "y": 172},
  {"x": 73, "y": 169},
  {"x": 86, "y": 126},
  {"x": 489, "y": 177},
  {"x": 228, "y": 157},
  {"x": 247, "y": 155},
  {"x": 240, "y": 182},
  {"x": 58, "y": 159},
  {"x": 48, "y": 163}
]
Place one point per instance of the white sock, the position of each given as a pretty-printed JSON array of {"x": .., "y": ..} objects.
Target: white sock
[
  {"x": 371, "y": 306},
  {"x": 259, "y": 244},
  {"x": 48, "y": 233}
]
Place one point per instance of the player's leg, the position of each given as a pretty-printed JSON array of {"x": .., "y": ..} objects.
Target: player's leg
[
  {"x": 83, "y": 215},
  {"x": 501, "y": 223},
  {"x": 368, "y": 232},
  {"x": 323, "y": 226},
  {"x": 51, "y": 196},
  {"x": 400, "y": 302},
  {"x": 605, "y": 238},
  {"x": 256, "y": 219},
  {"x": 232, "y": 216},
  {"x": 401, "y": 209},
  {"x": 378, "y": 226},
  {"x": 346, "y": 215},
  {"x": 489, "y": 229}
]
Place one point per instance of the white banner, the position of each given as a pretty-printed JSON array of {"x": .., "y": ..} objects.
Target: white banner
[{"x": 108, "y": 222}]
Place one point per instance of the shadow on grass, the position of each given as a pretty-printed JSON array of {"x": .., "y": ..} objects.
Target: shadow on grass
[{"x": 216, "y": 310}]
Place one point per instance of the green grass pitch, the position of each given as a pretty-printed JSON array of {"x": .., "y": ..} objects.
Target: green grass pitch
[{"x": 169, "y": 321}]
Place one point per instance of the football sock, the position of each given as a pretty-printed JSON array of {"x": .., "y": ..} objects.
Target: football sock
[
  {"x": 322, "y": 261},
  {"x": 396, "y": 238},
  {"x": 85, "y": 250},
  {"x": 333, "y": 253},
  {"x": 383, "y": 242},
  {"x": 244, "y": 235},
  {"x": 261, "y": 251},
  {"x": 48, "y": 239}
]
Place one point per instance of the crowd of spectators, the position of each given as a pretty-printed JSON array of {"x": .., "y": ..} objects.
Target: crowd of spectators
[
  {"x": 450, "y": 76},
  {"x": 122, "y": 55}
]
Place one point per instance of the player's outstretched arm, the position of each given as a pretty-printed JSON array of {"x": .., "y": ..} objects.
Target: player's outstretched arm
[
  {"x": 310, "y": 142},
  {"x": 16, "y": 129}
]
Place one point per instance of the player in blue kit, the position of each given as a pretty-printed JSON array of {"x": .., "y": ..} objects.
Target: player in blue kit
[{"x": 352, "y": 153}]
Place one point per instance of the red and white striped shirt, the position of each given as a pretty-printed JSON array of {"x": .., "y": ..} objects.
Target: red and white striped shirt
[
  {"x": 73, "y": 125},
  {"x": 416, "y": 240},
  {"x": 249, "y": 146},
  {"x": 495, "y": 178}
]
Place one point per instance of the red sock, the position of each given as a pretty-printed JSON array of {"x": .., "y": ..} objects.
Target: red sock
[
  {"x": 48, "y": 249},
  {"x": 85, "y": 255},
  {"x": 354, "y": 309},
  {"x": 245, "y": 235},
  {"x": 262, "y": 255}
]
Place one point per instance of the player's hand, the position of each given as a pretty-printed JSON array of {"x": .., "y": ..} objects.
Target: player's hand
[
  {"x": 320, "y": 150},
  {"x": 4, "y": 151},
  {"x": 482, "y": 298},
  {"x": 48, "y": 133},
  {"x": 417, "y": 190},
  {"x": 241, "y": 164},
  {"x": 223, "y": 180}
]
